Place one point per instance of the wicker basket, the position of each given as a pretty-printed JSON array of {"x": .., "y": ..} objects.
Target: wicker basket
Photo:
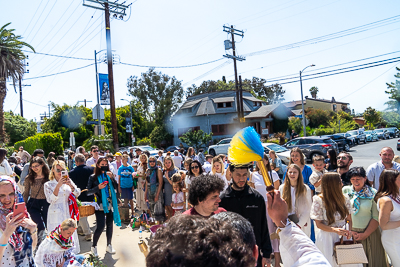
[{"x": 85, "y": 211}]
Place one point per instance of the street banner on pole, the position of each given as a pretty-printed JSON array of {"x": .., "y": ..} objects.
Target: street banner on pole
[
  {"x": 128, "y": 124},
  {"x": 104, "y": 89}
]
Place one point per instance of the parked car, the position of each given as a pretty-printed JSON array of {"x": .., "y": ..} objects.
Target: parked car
[
  {"x": 282, "y": 152},
  {"x": 312, "y": 145},
  {"x": 172, "y": 149},
  {"x": 398, "y": 145},
  {"x": 153, "y": 152},
  {"x": 220, "y": 148},
  {"x": 342, "y": 142},
  {"x": 353, "y": 138},
  {"x": 382, "y": 133},
  {"x": 393, "y": 132},
  {"x": 360, "y": 136},
  {"x": 371, "y": 136}
]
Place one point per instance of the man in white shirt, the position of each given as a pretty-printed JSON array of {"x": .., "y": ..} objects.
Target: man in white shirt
[
  {"x": 116, "y": 163},
  {"x": 207, "y": 164},
  {"x": 94, "y": 151},
  {"x": 160, "y": 156},
  {"x": 177, "y": 159},
  {"x": 386, "y": 162}
]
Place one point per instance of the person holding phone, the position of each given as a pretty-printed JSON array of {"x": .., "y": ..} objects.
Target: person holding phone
[
  {"x": 18, "y": 235},
  {"x": 61, "y": 192},
  {"x": 103, "y": 184}
]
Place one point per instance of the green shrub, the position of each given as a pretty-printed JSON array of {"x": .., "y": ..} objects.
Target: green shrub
[
  {"x": 104, "y": 142},
  {"x": 144, "y": 141},
  {"x": 324, "y": 131},
  {"x": 49, "y": 142}
]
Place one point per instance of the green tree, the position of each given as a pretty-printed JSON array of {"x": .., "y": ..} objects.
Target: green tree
[
  {"x": 104, "y": 142},
  {"x": 196, "y": 139},
  {"x": 159, "y": 135},
  {"x": 371, "y": 116},
  {"x": 393, "y": 89},
  {"x": 11, "y": 65},
  {"x": 391, "y": 118},
  {"x": 295, "y": 124},
  {"x": 17, "y": 128},
  {"x": 314, "y": 91},
  {"x": 317, "y": 117}
]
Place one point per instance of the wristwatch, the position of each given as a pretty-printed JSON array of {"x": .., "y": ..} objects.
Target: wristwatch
[{"x": 285, "y": 225}]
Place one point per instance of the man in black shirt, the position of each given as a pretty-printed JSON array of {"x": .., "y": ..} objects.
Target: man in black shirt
[
  {"x": 80, "y": 176},
  {"x": 293, "y": 135},
  {"x": 246, "y": 201},
  {"x": 344, "y": 160}
]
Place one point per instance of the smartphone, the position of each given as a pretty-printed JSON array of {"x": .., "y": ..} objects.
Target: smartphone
[
  {"x": 64, "y": 174},
  {"x": 19, "y": 208}
]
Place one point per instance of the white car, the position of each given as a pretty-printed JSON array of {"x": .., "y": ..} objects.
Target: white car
[
  {"x": 153, "y": 152},
  {"x": 282, "y": 152},
  {"x": 220, "y": 148}
]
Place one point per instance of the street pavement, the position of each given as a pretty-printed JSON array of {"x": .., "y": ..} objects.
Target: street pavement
[{"x": 125, "y": 240}]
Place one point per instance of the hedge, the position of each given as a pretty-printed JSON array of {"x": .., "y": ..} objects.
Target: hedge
[{"x": 49, "y": 142}]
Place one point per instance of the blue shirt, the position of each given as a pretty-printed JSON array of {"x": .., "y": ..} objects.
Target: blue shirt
[{"x": 125, "y": 173}]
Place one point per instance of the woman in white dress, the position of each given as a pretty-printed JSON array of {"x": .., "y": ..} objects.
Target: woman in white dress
[
  {"x": 298, "y": 197},
  {"x": 60, "y": 193},
  {"x": 256, "y": 181},
  {"x": 141, "y": 204},
  {"x": 388, "y": 200},
  {"x": 219, "y": 170},
  {"x": 330, "y": 210}
]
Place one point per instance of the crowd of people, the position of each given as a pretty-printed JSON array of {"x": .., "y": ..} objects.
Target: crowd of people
[{"x": 298, "y": 224}]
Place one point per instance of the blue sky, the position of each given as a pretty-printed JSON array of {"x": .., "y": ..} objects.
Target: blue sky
[{"x": 175, "y": 33}]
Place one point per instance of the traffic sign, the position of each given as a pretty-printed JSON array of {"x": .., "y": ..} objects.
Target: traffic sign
[
  {"x": 94, "y": 112},
  {"x": 91, "y": 122}
]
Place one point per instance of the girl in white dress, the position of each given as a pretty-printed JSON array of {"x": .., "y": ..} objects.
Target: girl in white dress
[
  {"x": 219, "y": 170},
  {"x": 330, "y": 210},
  {"x": 388, "y": 200},
  {"x": 58, "y": 191},
  {"x": 256, "y": 181},
  {"x": 298, "y": 197}
]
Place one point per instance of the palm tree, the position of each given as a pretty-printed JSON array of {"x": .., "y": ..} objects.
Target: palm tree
[
  {"x": 11, "y": 65},
  {"x": 314, "y": 90}
]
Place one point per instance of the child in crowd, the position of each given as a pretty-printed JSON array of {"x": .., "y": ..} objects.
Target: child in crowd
[
  {"x": 319, "y": 170},
  {"x": 178, "y": 198}
]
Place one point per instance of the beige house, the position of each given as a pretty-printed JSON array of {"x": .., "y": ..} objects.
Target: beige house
[{"x": 317, "y": 103}]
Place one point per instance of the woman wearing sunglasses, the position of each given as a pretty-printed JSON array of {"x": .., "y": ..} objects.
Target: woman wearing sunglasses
[
  {"x": 61, "y": 193},
  {"x": 195, "y": 169},
  {"x": 37, "y": 205},
  {"x": 103, "y": 184},
  {"x": 154, "y": 184}
]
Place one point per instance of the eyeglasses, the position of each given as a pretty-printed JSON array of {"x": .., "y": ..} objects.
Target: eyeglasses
[
  {"x": 59, "y": 170},
  {"x": 342, "y": 157},
  {"x": 194, "y": 167},
  {"x": 36, "y": 166},
  {"x": 152, "y": 161}
]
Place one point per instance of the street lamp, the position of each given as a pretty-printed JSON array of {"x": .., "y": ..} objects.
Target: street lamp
[
  {"x": 302, "y": 101},
  {"x": 130, "y": 108}
]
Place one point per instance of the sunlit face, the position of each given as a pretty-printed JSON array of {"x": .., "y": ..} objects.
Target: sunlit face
[
  {"x": 7, "y": 196},
  {"x": 387, "y": 155},
  {"x": 295, "y": 157},
  {"x": 168, "y": 164},
  {"x": 176, "y": 188},
  {"x": 239, "y": 178},
  {"x": 293, "y": 175},
  {"x": 217, "y": 166},
  {"x": 343, "y": 161},
  {"x": 152, "y": 162},
  {"x": 358, "y": 182},
  {"x": 57, "y": 169},
  {"x": 211, "y": 203},
  {"x": 186, "y": 166},
  {"x": 118, "y": 158},
  {"x": 95, "y": 152},
  {"x": 319, "y": 165},
  {"x": 124, "y": 160},
  {"x": 103, "y": 163},
  {"x": 143, "y": 159},
  {"x": 68, "y": 232},
  {"x": 271, "y": 155},
  {"x": 195, "y": 168},
  {"x": 36, "y": 167}
]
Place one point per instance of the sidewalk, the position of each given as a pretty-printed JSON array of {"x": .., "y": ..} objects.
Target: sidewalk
[{"x": 125, "y": 242}]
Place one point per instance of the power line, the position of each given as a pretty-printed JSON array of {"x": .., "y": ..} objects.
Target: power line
[
  {"x": 44, "y": 76},
  {"x": 34, "y": 14},
  {"x": 172, "y": 67},
  {"x": 55, "y": 2},
  {"x": 38, "y": 19},
  {"x": 34, "y": 103}
]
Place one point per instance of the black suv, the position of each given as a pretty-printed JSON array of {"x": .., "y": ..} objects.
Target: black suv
[
  {"x": 312, "y": 145},
  {"x": 393, "y": 132},
  {"x": 342, "y": 142}
]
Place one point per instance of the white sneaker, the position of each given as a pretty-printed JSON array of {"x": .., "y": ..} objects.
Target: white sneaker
[
  {"x": 94, "y": 251},
  {"x": 110, "y": 249}
]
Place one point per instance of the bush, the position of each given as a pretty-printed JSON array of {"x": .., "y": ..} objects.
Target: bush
[
  {"x": 295, "y": 124},
  {"x": 104, "y": 142},
  {"x": 49, "y": 142},
  {"x": 324, "y": 131},
  {"x": 144, "y": 141}
]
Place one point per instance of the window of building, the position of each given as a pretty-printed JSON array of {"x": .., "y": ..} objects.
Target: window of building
[
  {"x": 187, "y": 110},
  {"x": 256, "y": 103},
  {"x": 224, "y": 105},
  {"x": 182, "y": 131},
  {"x": 220, "y": 129}
]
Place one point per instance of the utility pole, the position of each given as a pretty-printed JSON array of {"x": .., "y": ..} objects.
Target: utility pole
[
  {"x": 84, "y": 101},
  {"x": 229, "y": 45},
  {"x": 241, "y": 97},
  {"x": 116, "y": 9},
  {"x": 20, "y": 88}
]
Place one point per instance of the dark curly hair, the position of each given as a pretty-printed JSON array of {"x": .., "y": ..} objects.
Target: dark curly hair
[
  {"x": 194, "y": 241},
  {"x": 203, "y": 185}
]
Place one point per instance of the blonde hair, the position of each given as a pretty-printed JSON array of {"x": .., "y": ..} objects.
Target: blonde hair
[
  {"x": 55, "y": 164},
  {"x": 69, "y": 223},
  {"x": 172, "y": 162},
  {"x": 396, "y": 159},
  {"x": 219, "y": 160},
  {"x": 335, "y": 201},
  {"x": 300, "y": 187}
]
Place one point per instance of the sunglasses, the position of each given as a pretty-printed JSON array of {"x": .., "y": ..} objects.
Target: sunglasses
[
  {"x": 58, "y": 170},
  {"x": 194, "y": 167},
  {"x": 342, "y": 157},
  {"x": 95, "y": 151},
  {"x": 152, "y": 161}
]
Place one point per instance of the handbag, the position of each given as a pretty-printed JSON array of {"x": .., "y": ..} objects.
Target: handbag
[{"x": 349, "y": 252}]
